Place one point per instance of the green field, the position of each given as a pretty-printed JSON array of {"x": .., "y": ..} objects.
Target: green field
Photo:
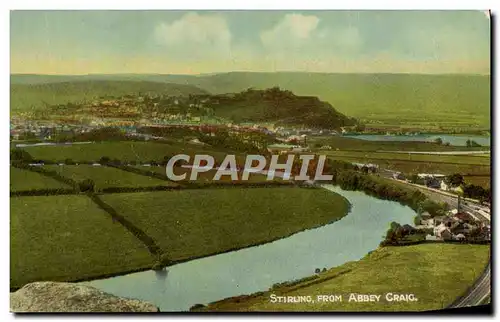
[
  {"x": 483, "y": 181},
  {"x": 67, "y": 238},
  {"x": 430, "y": 158},
  {"x": 353, "y": 144},
  {"x": 205, "y": 177},
  {"x": 479, "y": 165},
  {"x": 437, "y": 274},
  {"x": 105, "y": 177},
  {"x": 193, "y": 223},
  {"x": 21, "y": 180},
  {"x": 124, "y": 151}
]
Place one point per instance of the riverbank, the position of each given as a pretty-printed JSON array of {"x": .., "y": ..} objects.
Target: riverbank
[
  {"x": 252, "y": 269},
  {"x": 435, "y": 275},
  {"x": 72, "y": 240}
]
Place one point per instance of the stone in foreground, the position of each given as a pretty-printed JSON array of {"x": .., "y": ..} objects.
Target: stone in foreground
[{"x": 69, "y": 297}]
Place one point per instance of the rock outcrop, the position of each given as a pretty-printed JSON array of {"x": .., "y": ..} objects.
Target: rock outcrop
[{"x": 69, "y": 297}]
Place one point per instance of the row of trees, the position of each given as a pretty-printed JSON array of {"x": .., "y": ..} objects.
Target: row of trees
[{"x": 354, "y": 180}]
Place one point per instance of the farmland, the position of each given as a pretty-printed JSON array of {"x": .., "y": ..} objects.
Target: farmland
[
  {"x": 428, "y": 271},
  {"x": 353, "y": 144},
  {"x": 193, "y": 223},
  {"x": 470, "y": 165},
  {"x": 203, "y": 177},
  {"x": 480, "y": 160},
  {"x": 26, "y": 180},
  {"x": 67, "y": 238},
  {"x": 105, "y": 177},
  {"x": 125, "y": 151}
]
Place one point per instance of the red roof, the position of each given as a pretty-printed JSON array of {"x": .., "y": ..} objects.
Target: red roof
[{"x": 464, "y": 216}]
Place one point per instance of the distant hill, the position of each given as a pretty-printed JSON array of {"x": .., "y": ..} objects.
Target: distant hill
[
  {"x": 385, "y": 99},
  {"x": 279, "y": 106},
  {"x": 28, "y": 96}
]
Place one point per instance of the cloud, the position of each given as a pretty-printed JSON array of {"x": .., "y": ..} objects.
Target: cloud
[
  {"x": 292, "y": 31},
  {"x": 195, "y": 35},
  {"x": 301, "y": 37}
]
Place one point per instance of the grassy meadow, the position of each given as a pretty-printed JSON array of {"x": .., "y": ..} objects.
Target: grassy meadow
[
  {"x": 125, "y": 151},
  {"x": 105, "y": 177},
  {"x": 193, "y": 223},
  {"x": 67, "y": 238},
  {"x": 472, "y": 159},
  {"x": 353, "y": 144},
  {"x": 467, "y": 165},
  {"x": 21, "y": 180},
  {"x": 435, "y": 273}
]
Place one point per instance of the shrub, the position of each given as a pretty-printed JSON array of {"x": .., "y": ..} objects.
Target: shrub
[
  {"x": 86, "y": 185},
  {"x": 104, "y": 160}
]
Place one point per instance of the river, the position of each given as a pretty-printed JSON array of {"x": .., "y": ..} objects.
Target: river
[
  {"x": 456, "y": 140},
  {"x": 257, "y": 268}
]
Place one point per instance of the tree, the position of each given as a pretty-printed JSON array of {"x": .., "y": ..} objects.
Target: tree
[
  {"x": 86, "y": 185},
  {"x": 413, "y": 178},
  {"x": 438, "y": 141},
  {"x": 69, "y": 162},
  {"x": 104, "y": 160},
  {"x": 455, "y": 180}
]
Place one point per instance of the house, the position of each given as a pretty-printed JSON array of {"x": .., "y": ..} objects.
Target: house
[
  {"x": 462, "y": 228},
  {"x": 465, "y": 217},
  {"x": 430, "y": 237},
  {"x": 427, "y": 222},
  {"x": 398, "y": 176},
  {"x": 432, "y": 182},
  {"x": 444, "y": 186},
  {"x": 408, "y": 229},
  {"x": 442, "y": 232},
  {"x": 445, "y": 220},
  {"x": 448, "y": 187},
  {"x": 426, "y": 215}
]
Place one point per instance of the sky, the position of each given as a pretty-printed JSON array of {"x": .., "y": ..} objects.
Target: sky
[{"x": 200, "y": 42}]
